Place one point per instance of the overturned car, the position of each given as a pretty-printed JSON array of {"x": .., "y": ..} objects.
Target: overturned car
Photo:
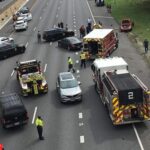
[
  {"x": 8, "y": 49},
  {"x": 30, "y": 77}
]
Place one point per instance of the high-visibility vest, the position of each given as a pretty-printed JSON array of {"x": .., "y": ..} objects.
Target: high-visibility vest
[
  {"x": 82, "y": 56},
  {"x": 39, "y": 122},
  {"x": 70, "y": 61}
]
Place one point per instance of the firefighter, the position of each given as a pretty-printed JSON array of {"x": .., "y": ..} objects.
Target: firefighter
[
  {"x": 70, "y": 65},
  {"x": 39, "y": 37},
  {"x": 83, "y": 59},
  {"x": 39, "y": 124}
]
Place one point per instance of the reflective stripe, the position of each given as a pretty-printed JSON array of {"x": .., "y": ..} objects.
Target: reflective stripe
[{"x": 70, "y": 61}]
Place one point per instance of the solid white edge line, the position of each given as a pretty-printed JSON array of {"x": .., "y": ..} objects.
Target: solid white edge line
[
  {"x": 34, "y": 114},
  {"x": 12, "y": 73},
  {"x": 45, "y": 67},
  {"x": 80, "y": 115},
  {"x": 82, "y": 139},
  {"x": 138, "y": 138},
  {"x": 91, "y": 12},
  {"x": 26, "y": 44}
]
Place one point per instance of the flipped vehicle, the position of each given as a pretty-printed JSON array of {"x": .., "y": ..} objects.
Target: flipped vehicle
[
  {"x": 30, "y": 77},
  {"x": 24, "y": 10},
  {"x": 68, "y": 88},
  {"x": 21, "y": 25},
  {"x": 13, "y": 112},
  {"x": 10, "y": 49},
  {"x": 6, "y": 39},
  {"x": 70, "y": 43},
  {"x": 27, "y": 16},
  {"x": 56, "y": 34},
  {"x": 126, "y": 25}
]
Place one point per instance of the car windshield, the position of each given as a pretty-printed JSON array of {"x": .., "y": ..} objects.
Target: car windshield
[
  {"x": 69, "y": 84},
  {"x": 29, "y": 70}
]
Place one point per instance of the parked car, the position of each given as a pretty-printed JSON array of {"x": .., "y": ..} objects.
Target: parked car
[
  {"x": 10, "y": 49},
  {"x": 12, "y": 110},
  {"x": 68, "y": 88},
  {"x": 6, "y": 40},
  {"x": 126, "y": 25},
  {"x": 70, "y": 43},
  {"x": 21, "y": 25},
  {"x": 27, "y": 16},
  {"x": 56, "y": 34}
]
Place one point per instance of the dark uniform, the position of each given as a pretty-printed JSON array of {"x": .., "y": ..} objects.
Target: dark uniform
[
  {"x": 146, "y": 45},
  {"x": 39, "y": 37},
  {"x": 39, "y": 125}
]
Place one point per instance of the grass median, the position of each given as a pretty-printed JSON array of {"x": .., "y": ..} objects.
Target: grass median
[{"x": 137, "y": 10}]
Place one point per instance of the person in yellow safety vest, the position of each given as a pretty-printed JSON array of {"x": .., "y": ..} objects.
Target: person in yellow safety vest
[
  {"x": 83, "y": 59},
  {"x": 39, "y": 124},
  {"x": 70, "y": 65}
]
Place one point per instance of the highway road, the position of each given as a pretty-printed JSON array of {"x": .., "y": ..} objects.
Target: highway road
[
  {"x": 4, "y": 4},
  {"x": 82, "y": 126}
]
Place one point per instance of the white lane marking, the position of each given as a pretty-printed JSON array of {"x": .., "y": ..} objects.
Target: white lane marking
[
  {"x": 78, "y": 71},
  {"x": 81, "y": 124},
  {"x": 34, "y": 28},
  {"x": 26, "y": 44},
  {"x": 77, "y": 53},
  {"x": 3, "y": 92},
  {"x": 34, "y": 114},
  {"x": 77, "y": 61},
  {"x": 75, "y": 30},
  {"x": 138, "y": 138},
  {"x": 45, "y": 67},
  {"x": 103, "y": 17},
  {"x": 74, "y": 26},
  {"x": 91, "y": 11},
  {"x": 40, "y": 18},
  {"x": 12, "y": 73},
  {"x": 50, "y": 43},
  {"x": 82, "y": 139},
  {"x": 57, "y": 16},
  {"x": 80, "y": 115}
]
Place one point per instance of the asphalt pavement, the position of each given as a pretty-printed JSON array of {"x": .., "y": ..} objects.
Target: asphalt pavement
[
  {"x": 82, "y": 126},
  {"x": 5, "y": 3}
]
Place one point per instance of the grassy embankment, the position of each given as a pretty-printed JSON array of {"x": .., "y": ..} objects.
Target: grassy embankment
[{"x": 137, "y": 10}]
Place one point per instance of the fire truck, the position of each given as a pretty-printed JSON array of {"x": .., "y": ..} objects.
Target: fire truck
[
  {"x": 125, "y": 96},
  {"x": 100, "y": 43},
  {"x": 30, "y": 77}
]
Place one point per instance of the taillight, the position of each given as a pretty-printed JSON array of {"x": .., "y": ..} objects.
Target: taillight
[{"x": 126, "y": 114}]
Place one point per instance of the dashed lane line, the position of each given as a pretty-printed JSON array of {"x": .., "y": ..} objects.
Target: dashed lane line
[
  {"x": 82, "y": 140},
  {"x": 12, "y": 73},
  {"x": 78, "y": 71},
  {"x": 50, "y": 43},
  {"x": 77, "y": 61},
  {"x": 80, "y": 115},
  {"x": 40, "y": 18},
  {"x": 45, "y": 67},
  {"x": 34, "y": 114},
  {"x": 26, "y": 44},
  {"x": 34, "y": 28},
  {"x": 138, "y": 138},
  {"x": 77, "y": 53}
]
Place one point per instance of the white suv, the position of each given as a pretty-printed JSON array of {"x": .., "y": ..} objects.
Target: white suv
[{"x": 21, "y": 25}]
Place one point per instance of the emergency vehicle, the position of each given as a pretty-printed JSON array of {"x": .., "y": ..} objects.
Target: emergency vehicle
[
  {"x": 125, "y": 96},
  {"x": 100, "y": 43},
  {"x": 31, "y": 79}
]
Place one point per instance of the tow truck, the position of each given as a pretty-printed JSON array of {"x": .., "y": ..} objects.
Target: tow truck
[
  {"x": 125, "y": 96},
  {"x": 31, "y": 78},
  {"x": 100, "y": 43}
]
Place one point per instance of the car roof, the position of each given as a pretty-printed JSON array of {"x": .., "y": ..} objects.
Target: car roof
[
  {"x": 73, "y": 39},
  {"x": 20, "y": 21},
  {"x": 66, "y": 76}
]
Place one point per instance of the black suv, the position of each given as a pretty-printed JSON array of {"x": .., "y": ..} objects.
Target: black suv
[
  {"x": 56, "y": 34},
  {"x": 10, "y": 49},
  {"x": 12, "y": 111}
]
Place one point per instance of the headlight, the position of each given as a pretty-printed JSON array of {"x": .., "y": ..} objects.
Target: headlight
[
  {"x": 44, "y": 82},
  {"x": 24, "y": 86}
]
